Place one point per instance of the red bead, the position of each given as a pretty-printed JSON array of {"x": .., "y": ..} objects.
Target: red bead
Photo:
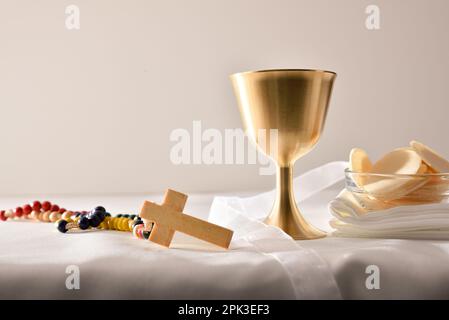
[
  {"x": 37, "y": 206},
  {"x": 2, "y": 215},
  {"x": 62, "y": 210},
  {"x": 54, "y": 208},
  {"x": 46, "y": 205},
  {"x": 27, "y": 209},
  {"x": 19, "y": 212}
]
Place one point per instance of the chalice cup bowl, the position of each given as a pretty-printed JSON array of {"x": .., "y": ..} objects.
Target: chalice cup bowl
[{"x": 293, "y": 104}]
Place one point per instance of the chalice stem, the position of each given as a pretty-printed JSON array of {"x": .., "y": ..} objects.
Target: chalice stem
[{"x": 285, "y": 213}]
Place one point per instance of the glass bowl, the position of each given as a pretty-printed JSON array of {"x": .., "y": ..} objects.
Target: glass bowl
[{"x": 399, "y": 189}]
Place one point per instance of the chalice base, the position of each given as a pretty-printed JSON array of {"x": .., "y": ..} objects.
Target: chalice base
[{"x": 292, "y": 223}]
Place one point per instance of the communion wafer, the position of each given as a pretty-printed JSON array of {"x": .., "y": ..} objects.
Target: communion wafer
[
  {"x": 359, "y": 162},
  {"x": 400, "y": 161},
  {"x": 431, "y": 157}
]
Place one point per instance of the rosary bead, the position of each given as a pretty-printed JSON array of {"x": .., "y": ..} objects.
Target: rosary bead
[
  {"x": 46, "y": 216},
  {"x": 19, "y": 212},
  {"x": 62, "y": 210},
  {"x": 35, "y": 215},
  {"x": 107, "y": 214},
  {"x": 61, "y": 225},
  {"x": 2, "y": 215},
  {"x": 64, "y": 226},
  {"x": 100, "y": 208},
  {"x": 66, "y": 215},
  {"x": 113, "y": 223},
  {"x": 27, "y": 209},
  {"x": 54, "y": 207},
  {"x": 46, "y": 205},
  {"x": 125, "y": 224},
  {"x": 94, "y": 221},
  {"x": 119, "y": 215},
  {"x": 84, "y": 223},
  {"x": 54, "y": 216},
  {"x": 103, "y": 225},
  {"x": 37, "y": 205},
  {"x": 41, "y": 216},
  {"x": 99, "y": 214},
  {"x": 9, "y": 214},
  {"x": 137, "y": 231},
  {"x": 136, "y": 222},
  {"x": 121, "y": 224}
]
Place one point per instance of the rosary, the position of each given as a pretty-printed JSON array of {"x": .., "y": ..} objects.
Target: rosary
[
  {"x": 66, "y": 220},
  {"x": 156, "y": 223}
]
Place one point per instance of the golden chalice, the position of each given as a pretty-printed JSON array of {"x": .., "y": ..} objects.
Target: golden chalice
[{"x": 293, "y": 102}]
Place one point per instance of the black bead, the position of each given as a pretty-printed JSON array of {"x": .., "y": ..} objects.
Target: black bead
[
  {"x": 100, "y": 208},
  {"x": 100, "y": 214},
  {"x": 119, "y": 215},
  {"x": 84, "y": 223},
  {"x": 107, "y": 214},
  {"x": 62, "y": 226},
  {"x": 133, "y": 216},
  {"x": 77, "y": 214},
  {"x": 137, "y": 222},
  {"x": 94, "y": 220}
]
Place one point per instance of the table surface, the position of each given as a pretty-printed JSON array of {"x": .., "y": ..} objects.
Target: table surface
[{"x": 34, "y": 258}]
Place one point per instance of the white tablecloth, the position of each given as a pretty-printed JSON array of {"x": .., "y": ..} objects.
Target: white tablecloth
[{"x": 112, "y": 264}]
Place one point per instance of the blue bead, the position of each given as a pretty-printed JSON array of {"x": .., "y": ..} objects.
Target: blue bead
[
  {"x": 62, "y": 226},
  {"x": 100, "y": 208},
  {"x": 84, "y": 223},
  {"x": 94, "y": 220}
]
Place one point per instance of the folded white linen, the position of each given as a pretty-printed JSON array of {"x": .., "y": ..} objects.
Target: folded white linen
[{"x": 358, "y": 216}]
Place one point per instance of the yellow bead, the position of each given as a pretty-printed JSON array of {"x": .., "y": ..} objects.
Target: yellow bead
[
  {"x": 126, "y": 224},
  {"x": 68, "y": 220},
  {"x": 67, "y": 214},
  {"x": 121, "y": 224},
  {"x": 117, "y": 224},
  {"x": 107, "y": 223},
  {"x": 114, "y": 223}
]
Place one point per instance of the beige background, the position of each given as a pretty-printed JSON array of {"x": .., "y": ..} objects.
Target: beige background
[{"x": 90, "y": 111}]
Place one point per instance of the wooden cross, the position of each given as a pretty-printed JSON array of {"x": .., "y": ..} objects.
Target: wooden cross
[{"x": 168, "y": 218}]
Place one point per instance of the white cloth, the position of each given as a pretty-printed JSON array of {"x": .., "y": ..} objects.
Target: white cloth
[
  {"x": 359, "y": 216},
  {"x": 264, "y": 264}
]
